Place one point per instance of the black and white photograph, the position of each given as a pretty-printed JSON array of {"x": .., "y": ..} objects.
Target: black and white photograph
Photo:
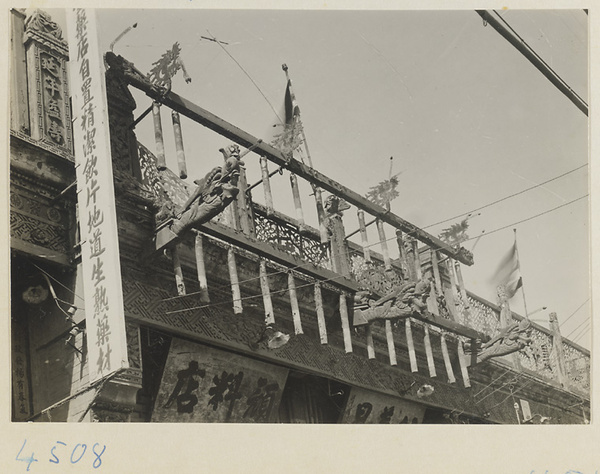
[{"x": 273, "y": 217}]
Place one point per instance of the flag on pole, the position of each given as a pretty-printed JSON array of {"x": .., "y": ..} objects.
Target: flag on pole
[
  {"x": 291, "y": 137},
  {"x": 291, "y": 107},
  {"x": 508, "y": 272}
]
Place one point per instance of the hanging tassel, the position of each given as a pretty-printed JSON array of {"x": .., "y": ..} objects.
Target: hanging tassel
[
  {"x": 294, "y": 304},
  {"x": 389, "y": 335},
  {"x": 320, "y": 313},
  {"x": 235, "y": 285},
  {"x": 266, "y": 293},
  {"x": 345, "y": 323}
]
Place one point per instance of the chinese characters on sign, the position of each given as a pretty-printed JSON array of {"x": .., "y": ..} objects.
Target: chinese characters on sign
[
  {"x": 201, "y": 384},
  {"x": 369, "y": 407},
  {"x": 99, "y": 241}
]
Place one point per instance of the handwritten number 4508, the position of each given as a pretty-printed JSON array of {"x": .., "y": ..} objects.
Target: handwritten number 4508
[{"x": 77, "y": 454}]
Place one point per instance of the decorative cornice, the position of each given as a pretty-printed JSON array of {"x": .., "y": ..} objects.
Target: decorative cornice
[{"x": 40, "y": 27}]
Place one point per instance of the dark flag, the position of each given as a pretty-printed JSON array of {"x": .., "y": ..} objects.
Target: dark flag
[
  {"x": 291, "y": 138},
  {"x": 508, "y": 272}
]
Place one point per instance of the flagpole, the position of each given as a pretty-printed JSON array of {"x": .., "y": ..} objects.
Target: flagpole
[
  {"x": 316, "y": 190},
  {"x": 521, "y": 276}
]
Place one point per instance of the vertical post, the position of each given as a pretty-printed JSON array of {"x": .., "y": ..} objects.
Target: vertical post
[
  {"x": 179, "y": 144},
  {"x": 294, "y": 304},
  {"x": 429, "y": 352},
  {"x": 320, "y": 313},
  {"x": 432, "y": 301},
  {"x": 345, "y": 323},
  {"x": 463, "y": 365},
  {"x": 446, "y": 356},
  {"x": 454, "y": 304},
  {"x": 418, "y": 271},
  {"x": 403, "y": 257},
  {"x": 200, "y": 267},
  {"x": 370, "y": 344},
  {"x": 338, "y": 245},
  {"x": 266, "y": 292},
  {"x": 558, "y": 353},
  {"x": 244, "y": 206},
  {"x": 389, "y": 335},
  {"x": 412, "y": 356},
  {"x": 161, "y": 163},
  {"x": 235, "y": 284},
  {"x": 297, "y": 201},
  {"x": 409, "y": 250},
  {"x": 436, "y": 271},
  {"x": 320, "y": 214},
  {"x": 463, "y": 294},
  {"x": 363, "y": 235},
  {"x": 266, "y": 185},
  {"x": 384, "y": 247}
]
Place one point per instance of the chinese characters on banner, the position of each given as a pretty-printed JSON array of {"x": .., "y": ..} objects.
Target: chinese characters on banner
[
  {"x": 105, "y": 321},
  {"x": 205, "y": 385},
  {"x": 20, "y": 379},
  {"x": 369, "y": 407}
]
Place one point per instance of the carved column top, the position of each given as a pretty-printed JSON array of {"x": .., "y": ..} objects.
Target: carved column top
[{"x": 39, "y": 26}]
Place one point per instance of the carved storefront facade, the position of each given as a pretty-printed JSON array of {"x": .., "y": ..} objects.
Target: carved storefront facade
[{"x": 235, "y": 312}]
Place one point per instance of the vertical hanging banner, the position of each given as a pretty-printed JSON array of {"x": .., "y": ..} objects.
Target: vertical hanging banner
[{"x": 105, "y": 319}]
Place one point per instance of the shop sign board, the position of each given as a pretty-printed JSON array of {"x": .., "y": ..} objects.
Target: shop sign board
[
  {"x": 201, "y": 384},
  {"x": 367, "y": 407},
  {"x": 105, "y": 320}
]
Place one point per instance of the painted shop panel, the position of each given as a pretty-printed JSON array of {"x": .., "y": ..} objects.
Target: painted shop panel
[{"x": 205, "y": 385}]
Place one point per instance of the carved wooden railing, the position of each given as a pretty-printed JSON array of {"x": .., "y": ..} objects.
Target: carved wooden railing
[
  {"x": 539, "y": 356},
  {"x": 284, "y": 233}
]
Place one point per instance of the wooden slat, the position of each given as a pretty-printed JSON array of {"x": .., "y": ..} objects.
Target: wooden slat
[
  {"x": 294, "y": 304},
  {"x": 239, "y": 136},
  {"x": 446, "y": 356},
  {"x": 345, "y": 323},
  {"x": 429, "y": 352},
  {"x": 179, "y": 145},
  {"x": 266, "y": 293},
  {"x": 177, "y": 270},
  {"x": 363, "y": 235},
  {"x": 463, "y": 292},
  {"x": 454, "y": 304},
  {"x": 161, "y": 163},
  {"x": 320, "y": 313},
  {"x": 200, "y": 267},
  {"x": 463, "y": 365},
  {"x": 235, "y": 283},
  {"x": 418, "y": 270},
  {"x": 412, "y": 356},
  {"x": 389, "y": 335},
  {"x": 384, "y": 247},
  {"x": 266, "y": 182},
  {"x": 297, "y": 200},
  {"x": 370, "y": 343}
]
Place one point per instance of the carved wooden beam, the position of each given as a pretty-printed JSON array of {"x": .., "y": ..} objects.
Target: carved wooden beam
[{"x": 239, "y": 136}]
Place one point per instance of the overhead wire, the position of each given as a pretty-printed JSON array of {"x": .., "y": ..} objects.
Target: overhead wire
[
  {"x": 573, "y": 313},
  {"x": 247, "y": 74},
  {"x": 506, "y": 197},
  {"x": 581, "y": 334}
]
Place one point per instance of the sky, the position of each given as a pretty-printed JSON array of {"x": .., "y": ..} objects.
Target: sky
[{"x": 467, "y": 119}]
